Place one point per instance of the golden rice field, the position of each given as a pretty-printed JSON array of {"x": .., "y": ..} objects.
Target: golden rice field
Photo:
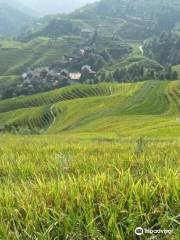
[
  {"x": 60, "y": 187},
  {"x": 91, "y": 162}
]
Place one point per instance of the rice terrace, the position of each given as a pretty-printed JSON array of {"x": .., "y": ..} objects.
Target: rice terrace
[
  {"x": 90, "y": 120},
  {"x": 107, "y": 164}
]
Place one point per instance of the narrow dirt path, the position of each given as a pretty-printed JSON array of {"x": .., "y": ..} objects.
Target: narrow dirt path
[
  {"x": 141, "y": 50},
  {"x": 54, "y": 117}
]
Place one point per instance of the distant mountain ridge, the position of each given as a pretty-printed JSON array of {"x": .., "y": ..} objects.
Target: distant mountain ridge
[
  {"x": 141, "y": 18},
  {"x": 12, "y": 19},
  {"x": 19, "y": 5},
  {"x": 49, "y": 7},
  {"x": 129, "y": 19}
]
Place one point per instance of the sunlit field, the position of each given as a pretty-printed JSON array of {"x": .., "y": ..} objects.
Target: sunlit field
[
  {"x": 89, "y": 120},
  {"x": 91, "y": 162},
  {"x": 53, "y": 187}
]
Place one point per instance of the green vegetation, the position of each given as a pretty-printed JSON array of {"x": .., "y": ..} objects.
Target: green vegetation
[
  {"x": 111, "y": 167},
  {"x": 177, "y": 69},
  {"x": 16, "y": 57},
  {"x": 7, "y": 83},
  {"x": 57, "y": 187},
  {"x": 143, "y": 109},
  {"x": 63, "y": 94},
  {"x": 12, "y": 20},
  {"x": 102, "y": 27},
  {"x": 94, "y": 160},
  {"x": 164, "y": 48},
  {"x": 135, "y": 20}
]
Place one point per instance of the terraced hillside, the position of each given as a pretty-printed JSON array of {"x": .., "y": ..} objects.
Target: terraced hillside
[
  {"x": 17, "y": 56},
  {"x": 63, "y": 94},
  {"x": 149, "y": 108}
]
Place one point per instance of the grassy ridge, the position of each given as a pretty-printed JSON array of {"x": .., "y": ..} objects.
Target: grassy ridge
[
  {"x": 120, "y": 109},
  {"x": 68, "y": 93},
  {"x": 35, "y": 111},
  {"x": 150, "y": 99},
  {"x": 174, "y": 94},
  {"x": 32, "y": 118}
]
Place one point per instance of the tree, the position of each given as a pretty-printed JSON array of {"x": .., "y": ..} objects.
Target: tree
[
  {"x": 103, "y": 77},
  {"x": 116, "y": 74},
  {"x": 109, "y": 77},
  {"x": 99, "y": 63},
  {"x": 107, "y": 57},
  {"x": 150, "y": 74},
  {"x": 174, "y": 75}
]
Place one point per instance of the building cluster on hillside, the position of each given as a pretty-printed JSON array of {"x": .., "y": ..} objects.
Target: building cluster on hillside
[
  {"x": 46, "y": 76},
  {"x": 69, "y": 70},
  {"x": 59, "y": 74},
  {"x": 44, "y": 79}
]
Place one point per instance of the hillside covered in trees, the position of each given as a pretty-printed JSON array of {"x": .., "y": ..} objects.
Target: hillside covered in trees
[
  {"x": 13, "y": 20},
  {"x": 120, "y": 41},
  {"x": 131, "y": 19},
  {"x": 165, "y": 48}
]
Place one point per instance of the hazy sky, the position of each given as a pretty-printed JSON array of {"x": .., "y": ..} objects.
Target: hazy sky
[{"x": 54, "y": 6}]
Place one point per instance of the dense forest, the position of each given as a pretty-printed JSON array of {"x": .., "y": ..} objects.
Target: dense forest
[{"x": 165, "y": 48}]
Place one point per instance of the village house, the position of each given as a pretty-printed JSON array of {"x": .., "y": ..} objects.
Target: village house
[{"x": 75, "y": 76}]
